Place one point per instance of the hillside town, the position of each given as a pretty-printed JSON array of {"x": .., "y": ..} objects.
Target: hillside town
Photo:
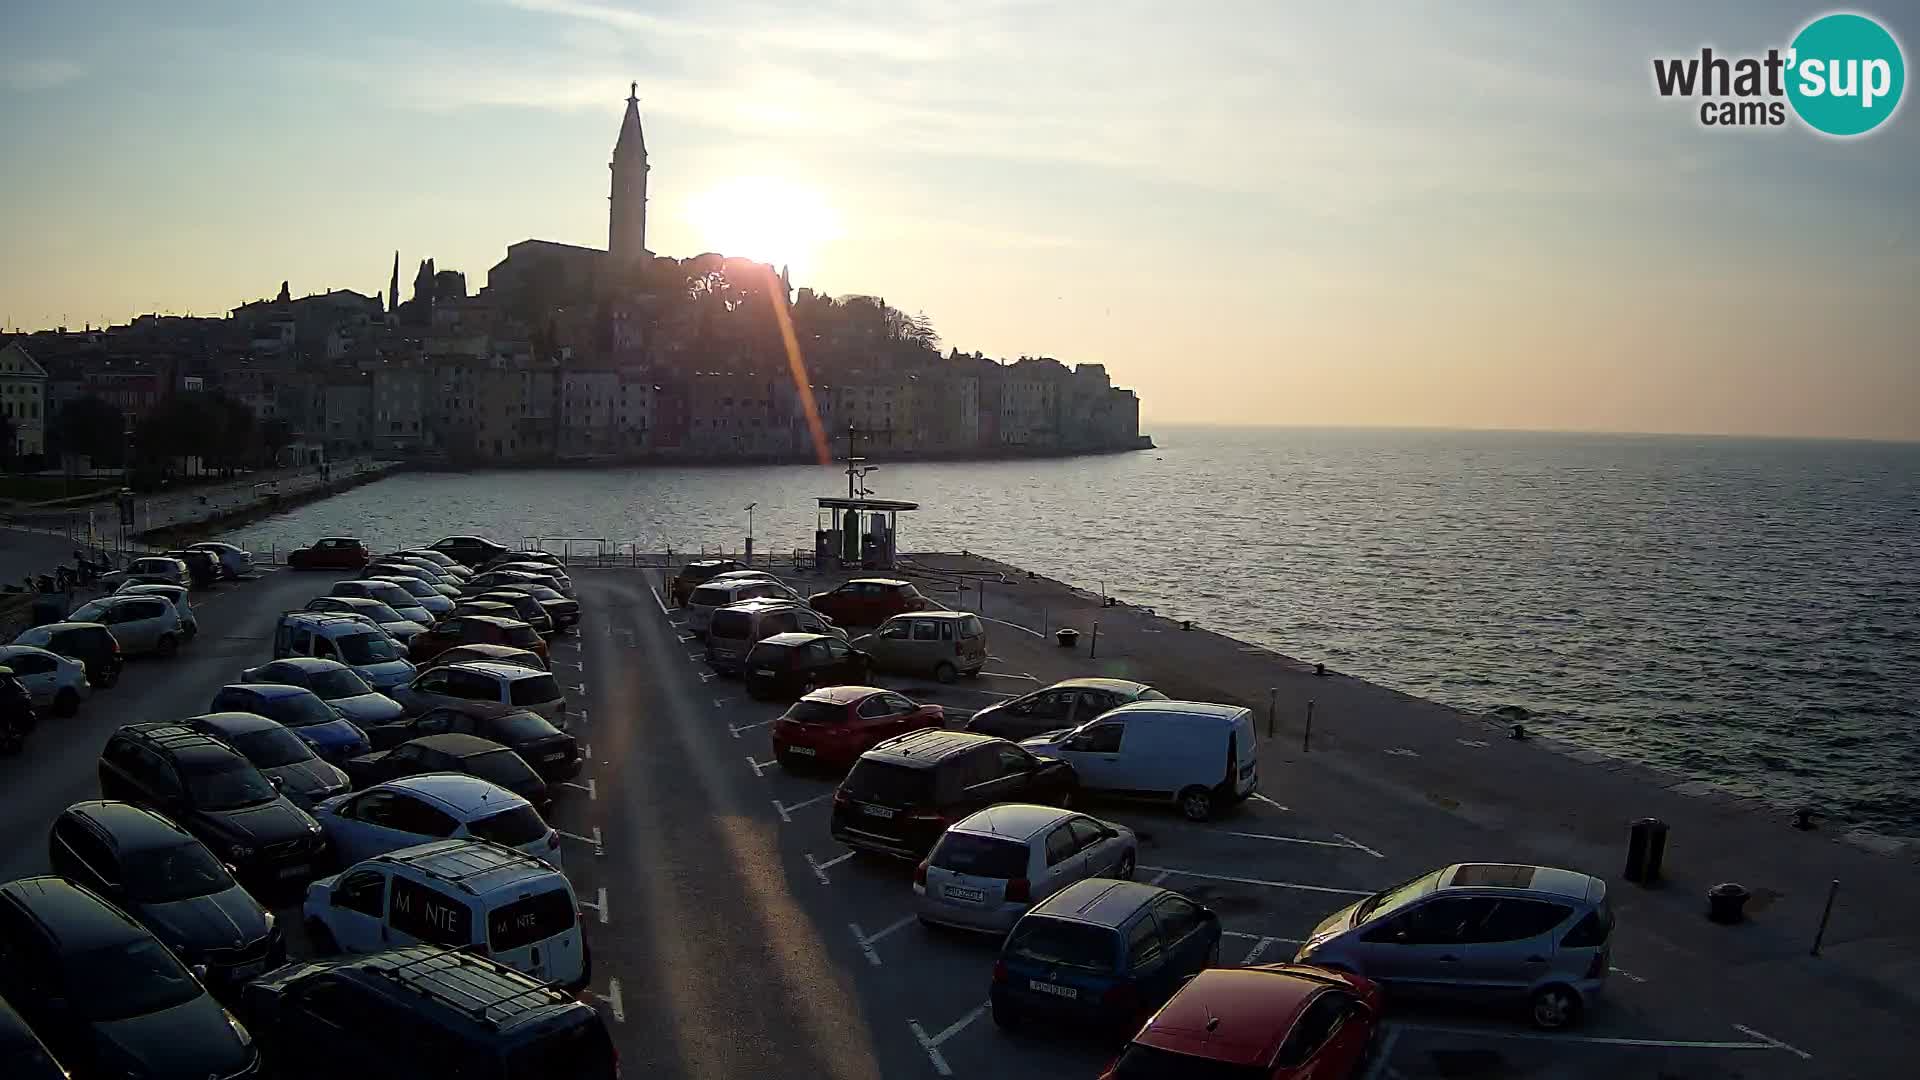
[{"x": 566, "y": 354}]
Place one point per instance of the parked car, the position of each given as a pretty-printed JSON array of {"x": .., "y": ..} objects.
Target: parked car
[
  {"x": 332, "y": 682},
  {"x": 793, "y": 665},
  {"x": 943, "y": 644},
  {"x": 107, "y": 996},
  {"x": 446, "y": 562},
  {"x": 1485, "y": 932},
  {"x": 1277, "y": 1021},
  {"x": 157, "y": 872},
  {"x": 141, "y": 624},
  {"x": 330, "y": 553},
  {"x": 524, "y": 607},
  {"x": 899, "y": 798},
  {"x": 353, "y": 640},
  {"x": 992, "y": 865},
  {"x": 499, "y": 654},
  {"x": 286, "y": 759},
  {"x": 1101, "y": 952},
  {"x": 695, "y": 574},
  {"x": 388, "y": 620},
  {"x": 395, "y": 597},
  {"x": 435, "y": 806},
  {"x": 1061, "y": 707},
  {"x": 493, "y": 579},
  {"x": 468, "y": 550},
  {"x": 733, "y": 629},
  {"x": 868, "y": 601},
  {"x": 478, "y": 680},
  {"x": 553, "y": 753},
  {"x": 23, "y": 1056},
  {"x": 149, "y": 570},
  {"x": 57, "y": 683},
  {"x": 476, "y": 630},
  {"x": 721, "y": 592},
  {"x": 216, "y": 794},
  {"x": 433, "y": 1005},
  {"x": 491, "y": 608},
  {"x": 433, "y": 574},
  {"x": 533, "y": 555},
  {"x": 563, "y": 610},
  {"x": 203, "y": 567},
  {"x": 451, "y": 753},
  {"x": 173, "y": 594},
  {"x": 561, "y": 581},
  {"x": 464, "y": 894},
  {"x": 1193, "y": 755},
  {"x": 91, "y": 643},
  {"x": 423, "y": 595},
  {"x": 836, "y": 725},
  {"x": 235, "y": 562},
  {"x": 17, "y": 716},
  {"x": 300, "y": 710}
]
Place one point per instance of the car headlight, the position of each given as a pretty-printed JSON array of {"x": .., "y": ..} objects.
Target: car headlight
[
  {"x": 239, "y": 1029},
  {"x": 240, "y": 851},
  {"x": 271, "y": 928}
]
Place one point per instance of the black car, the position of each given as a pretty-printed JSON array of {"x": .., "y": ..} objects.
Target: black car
[
  {"x": 469, "y": 550},
  {"x": 901, "y": 795},
  {"x": 22, "y": 1055},
  {"x": 468, "y": 754},
  {"x": 88, "y": 642},
  {"x": 105, "y": 994},
  {"x": 287, "y": 759},
  {"x": 203, "y": 567},
  {"x": 552, "y": 753},
  {"x": 157, "y": 872},
  {"x": 217, "y": 795},
  {"x": 793, "y": 665},
  {"x": 412, "y": 1011},
  {"x": 695, "y": 574},
  {"x": 525, "y": 608},
  {"x": 563, "y": 610}
]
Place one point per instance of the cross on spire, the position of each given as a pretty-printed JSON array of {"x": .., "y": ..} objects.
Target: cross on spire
[{"x": 633, "y": 92}]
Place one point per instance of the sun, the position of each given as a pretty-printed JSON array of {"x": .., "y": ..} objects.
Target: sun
[{"x": 764, "y": 218}]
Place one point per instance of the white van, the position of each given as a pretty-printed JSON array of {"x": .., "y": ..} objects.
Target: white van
[
  {"x": 517, "y": 909},
  {"x": 1193, "y": 754},
  {"x": 703, "y": 601},
  {"x": 354, "y": 640}
]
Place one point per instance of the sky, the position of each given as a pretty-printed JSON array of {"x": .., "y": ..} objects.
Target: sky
[{"x": 1340, "y": 213}]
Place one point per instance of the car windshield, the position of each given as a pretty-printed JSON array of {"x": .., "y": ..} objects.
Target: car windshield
[
  {"x": 1057, "y": 941},
  {"x": 503, "y": 767},
  {"x": 298, "y": 710},
  {"x": 537, "y": 690},
  {"x": 981, "y": 856},
  {"x": 367, "y": 649},
  {"x": 522, "y": 726},
  {"x": 271, "y": 748},
  {"x": 134, "y": 978},
  {"x": 1140, "y": 1062},
  {"x": 541, "y": 592},
  {"x": 885, "y": 782},
  {"x": 88, "y": 612},
  {"x": 580, "y": 1051},
  {"x": 390, "y": 594},
  {"x": 712, "y": 595},
  {"x": 522, "y": 635},
  {"x": 416, "y": 587},
  {"x": 337, "y": 683},
  {"x": 770, "y": 656},
  {"x": 181, "y": 872},
  {"x": 517, "y": 827},
  {"x": 227, "y": 785},
  {"x": 1388, "y": 901},
  {"x": 817, "y": 712},
  {"x": 730, "y": 624}
]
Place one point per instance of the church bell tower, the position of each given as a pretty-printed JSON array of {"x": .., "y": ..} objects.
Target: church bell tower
[{"x": 627, "y": 214}]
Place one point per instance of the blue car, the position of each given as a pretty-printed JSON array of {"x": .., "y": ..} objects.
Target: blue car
[
  {"x": 320, "y": 725},
  {"x": 1103, "y": 953}
]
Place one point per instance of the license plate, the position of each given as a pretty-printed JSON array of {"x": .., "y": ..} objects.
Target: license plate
[
  {"x": 767, "y": 672},
  {"x": 958, "y": 893},
  {"x": 1067, "y": 992},
  {"x": 557, "y": 755},
  {"x": 875, "y": 811},
  {"x": 295, "y": 870},
  {"x": 804, "y": 751}
]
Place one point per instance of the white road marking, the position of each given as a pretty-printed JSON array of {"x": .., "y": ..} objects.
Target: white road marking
[
  {"x": 736, "y": 729},
  {"x": 1262, "y": 798},
  {"x": 1471, "y": 742},
  {"x": 758, "y": 766},
  {"x": 586, "y": 751},
  {"x": 1259, "y": 947},
  {"x": 600, "y": 908},
  {"x": 580, "y": 688},
  {"x": 1760, "y": 1043},
  {"x": 576, "y": 667},
  {"x": 1383, "y": 1053},
  {"x": 719, "y": 703},
  {"x": 1627, "y": 975},
  {"x": 598, "y": 847},
  {"x": 1401, "y": 751},
  {"x": 706, "y": 676},
  {"x": 567, "y": 643},
  {"x": 1771, "y": 1041},
  {"x": 932, "y": 1045},
  {"x": 689, "y": 637},
  {"x": 786, "y": 810},
  {"x": 1292, "y": 839},
  {"x": 583, "y": 714},
  {"x": 1355, "y": 843},
  {"x": 866, "y": 941},
  {"x": 1258, "y": 881},
  {"x": 1016, "y": 626},
  {"x": 1005, "y": 675},
  {"x": 697, "y": 657},
  {"x": 1160, "y": 877},
  {"x": 613, "y": 1001},
  {"x": 662, "y": 603},
  {"x": 590, "y": 787},
  {"x": 820, "y": 868}
]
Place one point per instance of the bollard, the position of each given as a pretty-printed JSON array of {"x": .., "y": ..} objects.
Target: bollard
[
  {"x": 1821, "y": 934},
  {"x": 1646, "y": 850},
  {"x": 1273, "y": 693},
  {"x": 1726, "y": 902},
  {"x": 1093, "y": 646},
  {"x": 1320, "y": 670},
  {"x": 1306, "y": 734}
]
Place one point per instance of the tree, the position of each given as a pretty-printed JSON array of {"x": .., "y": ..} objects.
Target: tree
[
  {"x": 275, "y": 435},
  {"x": 7, "y": 437},
  {"x": 91, "y": 427}
]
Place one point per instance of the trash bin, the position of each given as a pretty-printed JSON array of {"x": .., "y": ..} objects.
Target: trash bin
[
  {"x": 1727, "y": 902},
  {"x": 1066, "y": 636},
  {"x": 1646, "y": 850}
]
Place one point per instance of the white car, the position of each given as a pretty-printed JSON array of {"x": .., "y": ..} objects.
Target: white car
[
  {"x": 395, "y": 597},
  {"x": 436, "y": 806},
  {"x": 425, "y": 595},
  {"x": 176, "y": 595},
  {"x": 993, "y": 865},
  {"x": 235, "y": 561},
  {"x": 56, "y": 682},
  {"x": 153, "y": 569},
  {"x": 141, "y": 624}
]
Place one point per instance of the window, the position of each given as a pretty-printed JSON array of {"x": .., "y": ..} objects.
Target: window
[
  {"x": 894, "y": 631},
  {"x": 472, "y": 685},
  {"x": 1057, "y": 941},
  {"x": 946, "y": 630},
  {"x": 837, "y": 649},
  {"x": 1014, "y": 760},
  {"x": 86, "y": 847},
  {"x": 1100, "y": 739},
  {"x": 981, "y": 856},
  {"x": 898, "y": 704},
  {"x": 1061, "y": 845},
  {"x": 1049, "y": 703},
  {"x": 874, "y": 707},
  {"x": 534, "y": 691},
  {"x": 433, "y": 682},
  {"x": 534, "y": 919},
  {"x": 926, "y": 630},
  {"x": 1442, "y": 921},
  {"x": 364, "y": 891},
  {"x": 1591, "y": 931},
  {"x": 1177, "y": 916},
  {"x": 31, "y": 664},
  {"x": 428, "y": 915},
  {"x": 1087, "y": 832},
  {"x": 517, "y": 827},
  {"x": 1517, "y": 920},
  {"x": 1316, "y": 1025},
  {"x": 1143, "y": 942}
]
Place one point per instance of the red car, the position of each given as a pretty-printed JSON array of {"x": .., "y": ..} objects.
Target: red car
[
  {"x": 330, "y": 553},
  {"x": 836, "y": 725},
  {"x": 868, "y": 601},
  {"x": 1270, "y": 1022}
]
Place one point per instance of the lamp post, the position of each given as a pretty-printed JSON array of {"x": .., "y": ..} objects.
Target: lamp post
[{"x": 749, "y": 509}]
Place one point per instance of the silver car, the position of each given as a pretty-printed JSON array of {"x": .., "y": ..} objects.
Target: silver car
[
  {"x": 141, "y": 624},
  {"x": 991, "y": 866},
  {"x": 1479, "y": 931},
  {"x": 175, "y": 594}
]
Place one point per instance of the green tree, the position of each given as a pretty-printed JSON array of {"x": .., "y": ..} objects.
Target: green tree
[
  {"x": 89, "y": 426},
  {"x": 275, "y": 435}
]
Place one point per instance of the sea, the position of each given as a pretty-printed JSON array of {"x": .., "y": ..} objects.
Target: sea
[{"x": 1743, "y": 611}]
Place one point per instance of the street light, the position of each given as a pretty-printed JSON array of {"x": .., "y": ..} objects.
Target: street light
[{"x": 749, "y": 508}]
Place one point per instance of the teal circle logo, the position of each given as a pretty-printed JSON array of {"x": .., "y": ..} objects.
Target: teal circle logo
[{"x": 1846, "y": 74}]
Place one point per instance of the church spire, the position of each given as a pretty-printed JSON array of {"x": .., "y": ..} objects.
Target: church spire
[
  {"x": 627, "y": 214},
  {"x": 393, "y": 286}
]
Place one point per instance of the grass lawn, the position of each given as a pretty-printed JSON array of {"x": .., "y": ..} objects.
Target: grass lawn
[{"x": 41, "y": 488}]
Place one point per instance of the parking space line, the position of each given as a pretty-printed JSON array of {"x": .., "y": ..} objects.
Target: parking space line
[
  {"x": 1005, "y": 675},
  {"x": 1016, "y": 626},
  {"x": 1627, "y": 975},
  {"x": 1758, "y": 1043},
  {"x": 1351, "y": 842},
  {"x": 600, "y": 908},
  {"x": 1259, "y": 947},
  {"x": 759, "y": 767},
  {"x": 1383, "y": 1054},
  {"x": 1771, "y": 1041},
  {"x": 1262, "y": 798},
  {"x": 583, "y": 714},
  {"x": 1258, "y": 881},
  {"x": 932, "y": 1045},
  {"x": 1299, "y": 840},
  {"x": 580, "y": 688},
  {"x": 657, "y": 600},
  {"x": 820, "y": 868},
  {"x": 802, "y": 804},
  {"x": 866, "y": 941},
  {"x": 586, "y": 751},
  {"x": 613, "y": 1001},
  {"x": 590, "y": 787},
  {"x": 736, "y": 729},
  {"x": 598, "y": 847},
  {"x": 1160, "y": 877},
  {"x": 705, "y": 676}
]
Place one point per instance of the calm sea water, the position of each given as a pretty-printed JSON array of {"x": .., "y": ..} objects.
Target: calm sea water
[{"x": 1743, "y": 611}]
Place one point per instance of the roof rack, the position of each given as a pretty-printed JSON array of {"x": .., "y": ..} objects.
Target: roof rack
[
  {"x": 465, "y": 852},
  {"x": 461, "y": 991}
]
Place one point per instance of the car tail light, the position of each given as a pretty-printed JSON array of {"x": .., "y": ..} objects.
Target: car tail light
[
  {"x": 840, "y": 797},
  {"x": 1019, "y": 890},
  {"x": 553, "y": 840},
  {"x": 920, "y": 873},
  {"x": 999, "y": 971}
]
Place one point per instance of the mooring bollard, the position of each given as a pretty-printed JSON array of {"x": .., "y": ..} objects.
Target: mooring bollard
[
  {"x": 1273, "y": 693},
  {"x": 1727, "y": 902},
  {"x": 1093, "y": 646},
  {"x": 1821, "y": 934},
  {"x": 1306, "y": 734}
]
